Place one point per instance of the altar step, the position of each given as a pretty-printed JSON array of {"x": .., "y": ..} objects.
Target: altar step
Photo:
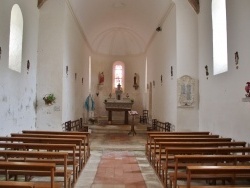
[{"x": 118, "y": 128}]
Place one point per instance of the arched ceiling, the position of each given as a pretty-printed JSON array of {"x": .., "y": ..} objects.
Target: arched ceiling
[{"x": 119, "y": 27}]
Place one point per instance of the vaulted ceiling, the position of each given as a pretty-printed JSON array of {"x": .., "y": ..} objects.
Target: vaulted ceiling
[{"x": 120, "y": 27}]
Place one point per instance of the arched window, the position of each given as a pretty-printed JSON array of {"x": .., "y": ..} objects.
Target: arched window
[
  {"x": 219, "y": 22},
  {"x": 118, "y": 75},
  {"x": 16, "y": 39}
]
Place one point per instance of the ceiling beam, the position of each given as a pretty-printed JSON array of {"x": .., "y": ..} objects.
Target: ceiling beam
[
  {"x": 196, "y": 5},
  {"x": 40, "y": 3}
]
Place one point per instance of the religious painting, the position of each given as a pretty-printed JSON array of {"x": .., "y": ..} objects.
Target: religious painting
[{"x": 186, "y": 86}]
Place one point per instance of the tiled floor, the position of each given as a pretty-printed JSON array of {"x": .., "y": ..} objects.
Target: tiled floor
[{"x": 117, "y": 160}]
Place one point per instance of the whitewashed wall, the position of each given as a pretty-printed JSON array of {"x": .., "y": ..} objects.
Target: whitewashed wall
[
  {"x": 50, "y": 61},
  {"x": 161, "y": 56},
  {"x": 18, "y": 90},
  {"x": 187, "y": 60},
  {"x": 221, "y": 108},
  {"x": 61, "y": 44},
  {"x": 134, "y": 64},
  {"x": 76, "y": 57}
]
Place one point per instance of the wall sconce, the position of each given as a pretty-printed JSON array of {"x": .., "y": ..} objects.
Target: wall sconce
[
  {"x": 161, "y": 79},
  {"x": 97, "y": 93},
  {"x": 153, "y": 83},
  {"x": 171, "y": 72},
  {"x": 207, "y": 73},
  {"x": 236, "y": 58},
  {"x": 28, "y": 66},
  {"x": 67, "y": 70},
  {"x": 0, "y": 52},
  {"x": 75, "y": 76},
  {"x": 82, "y": 81}
]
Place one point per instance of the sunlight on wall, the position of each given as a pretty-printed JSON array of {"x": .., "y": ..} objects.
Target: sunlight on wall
[
  {"x": 220, "y": 61},
  {"x": 16, "y": 39}
]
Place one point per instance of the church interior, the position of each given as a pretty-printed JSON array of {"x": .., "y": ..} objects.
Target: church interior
[{"x": 123, "y": 84}]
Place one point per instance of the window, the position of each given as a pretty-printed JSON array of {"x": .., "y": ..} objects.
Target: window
[
  {"x": 219, "y": 23},
  {"x": 16, "y": 39},
  {"x": 118, "y": 74}
]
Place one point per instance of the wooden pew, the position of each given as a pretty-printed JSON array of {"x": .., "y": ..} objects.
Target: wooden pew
[
  {"x": 149, "y": 133},
  {"x": 31, "y": 167},
  {"x": 47, "y": 147},
  {"x": 171, "y": 151},
  {"x": 156, "y": 161},
  {"x": 77, "y": 142},
  {"x": 16, "y": 184},
  {"x": 149, "y": 145},
  {"x": 219, "y": 171},
  {"x": 186, "y": 160},
  {"x": 63, "y": 133},
  {"x": 159, "y": 155},
  {"x": 59, "y": 158},
  {"x": 63, "y": 136}
]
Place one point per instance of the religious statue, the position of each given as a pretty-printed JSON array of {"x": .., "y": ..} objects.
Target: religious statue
[
  {"x": 247, "y": 89},
  {"x": 101, "y": 78},
  {"x": 135, "y": 81}
]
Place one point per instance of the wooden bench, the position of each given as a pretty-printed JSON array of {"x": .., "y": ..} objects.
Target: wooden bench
[
  {"x": 71, "y": 161},
  {"x": 171, "y": 151},
  {"x": 150, "y": 145},
  {"x": 158, "y": 155},
  {"x": 63, "y": 136},
  {"x": 16, "y": 184},
  {"x": 219, "y": 171},
  {"x": 77, "y": 142},
  {"x": 149, "y": 133},
  {"x": 59, "y": 158},
  {"x": 186, "y": 160},
  {"x": 157, "y": 144},
  {"x": 63, "y": 133},
  {"x": 31, "y": 167}
]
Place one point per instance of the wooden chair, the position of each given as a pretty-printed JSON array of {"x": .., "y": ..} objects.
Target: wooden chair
[{"x": 144, "y": 117}]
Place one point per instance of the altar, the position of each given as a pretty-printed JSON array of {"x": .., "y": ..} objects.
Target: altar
[{"x": 118, "y": 105}]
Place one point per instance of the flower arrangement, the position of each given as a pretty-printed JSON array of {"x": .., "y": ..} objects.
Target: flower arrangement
[{"x": 49, "y": 99}]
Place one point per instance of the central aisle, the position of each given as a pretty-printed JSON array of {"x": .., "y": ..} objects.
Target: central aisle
[{"x": 117, "y": 159}]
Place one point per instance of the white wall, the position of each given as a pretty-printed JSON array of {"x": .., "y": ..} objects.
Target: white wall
[
  {"x": 76, "y": 57},
  {"x": 221, "y": 108},
  {"x": 50, "y": 61},
  {"x": 187, "y": 60},
  {"x": 18, "y": 90},
  {"x": 161, "y": 56},
  {"x": 61, "y": 44}
]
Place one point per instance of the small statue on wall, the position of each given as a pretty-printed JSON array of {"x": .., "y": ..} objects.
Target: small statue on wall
[
  {"x": 135, "y": 81},
  {"x": 236, "y": 58},
  {"x": 101, "y": 78}
]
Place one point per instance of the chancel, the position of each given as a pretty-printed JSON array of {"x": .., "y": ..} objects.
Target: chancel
[{"x": 118, "y": 104}]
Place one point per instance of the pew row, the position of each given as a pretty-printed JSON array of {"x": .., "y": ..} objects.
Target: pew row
[
  {"x": 201, "y": 160},
  {"x": 31, "y": 167},
  {"x": 77, "y": 142},
  {"x": 233, "y": 172},
  {"x": 62, "y": 133},
  {"x": 59, "y": 158},
  {"x": 171, "y": 151},
  {"x": 57, "y": 148}
]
